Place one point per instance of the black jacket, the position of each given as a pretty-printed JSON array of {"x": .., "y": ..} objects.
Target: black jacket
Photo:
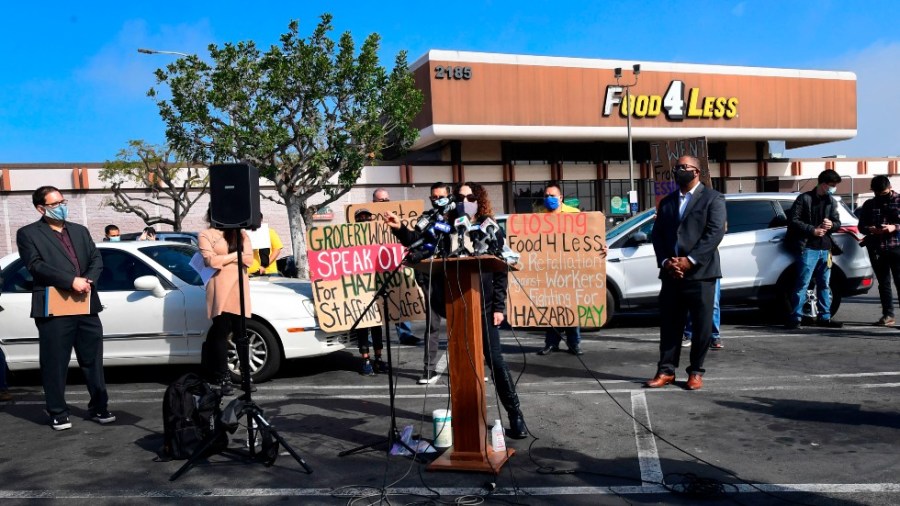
[
  {"x": 494, "y": 285},
  {"x": 46, "y": 260},
  {"x": 696, "y": 234},
  {"x": 801, "y": 221}
]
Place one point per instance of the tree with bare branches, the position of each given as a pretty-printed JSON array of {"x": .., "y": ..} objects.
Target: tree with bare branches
[
  {"x": 145, "y": 178},
  {"x": 309, "y": 113}
]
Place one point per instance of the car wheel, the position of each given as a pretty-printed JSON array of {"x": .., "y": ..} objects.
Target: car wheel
[
  {"x": 781, "y": 305},
  {"x": 265, "y": 355},
  {"x": 611, "y": 306}
]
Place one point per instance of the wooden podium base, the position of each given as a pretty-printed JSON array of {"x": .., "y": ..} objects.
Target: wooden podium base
[{"x": 491, "y": 462}]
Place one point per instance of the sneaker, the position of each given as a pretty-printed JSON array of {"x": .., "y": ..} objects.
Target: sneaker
[
  {"x": 410, "y": 341},
  {"x": 792, "y": 325},
  {"x": 830, "y": 324},
  {"x": 103, "y": 417},
  {"x": 886, "y": 321},
  {"x": 367, "y": 369},
  {"x": 379, "y": 366},
  {"x": 428, "y": 378},
  {"x": 686, "y": 342},
  {"x": 548, "y": 350},
  {"x": 716, "y": 344},
  {"x": 5, "y": 395},
  {"x": 576, "y": 350},
  {"x": 60, "y": 422}
]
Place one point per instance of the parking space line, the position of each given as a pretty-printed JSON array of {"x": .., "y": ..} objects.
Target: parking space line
[
  {"x": 200, "y": 492},
  {"x": 648, "y": 457}
]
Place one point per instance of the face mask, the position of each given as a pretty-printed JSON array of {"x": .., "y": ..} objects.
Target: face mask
[
  {"x": 115, "y": 239},
  {"x": 684, "y": 177},
  {"x": 60, "y": 212},
  {"x": 832, "y": 190},
  {"x": 551, "y": 203},
  {"x": 470, "y": 208},
  {"x": 440, "y": 203}
]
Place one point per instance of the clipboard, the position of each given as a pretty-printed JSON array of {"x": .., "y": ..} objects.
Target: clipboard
[{"x": 65, "y": 303}]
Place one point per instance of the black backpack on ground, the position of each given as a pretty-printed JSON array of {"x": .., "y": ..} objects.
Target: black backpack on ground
[{"x": 191, "y": 411}]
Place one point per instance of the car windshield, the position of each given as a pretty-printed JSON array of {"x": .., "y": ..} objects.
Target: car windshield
[
  {"x": 627, "y": 224},
  {"x": 177, "y": 259}
]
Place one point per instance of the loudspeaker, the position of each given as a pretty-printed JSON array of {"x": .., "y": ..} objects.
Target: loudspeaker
[{"x": 233, "y": 196}]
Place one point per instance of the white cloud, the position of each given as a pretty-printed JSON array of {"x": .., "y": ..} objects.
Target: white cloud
[{"x": 877, "y": 71}]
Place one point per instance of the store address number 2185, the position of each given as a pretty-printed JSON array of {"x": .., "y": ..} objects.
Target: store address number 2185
[{"x": 451, "y": 72}]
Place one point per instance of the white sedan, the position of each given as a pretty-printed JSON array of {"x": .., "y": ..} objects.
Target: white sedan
[{"x": 154, "y": 312}]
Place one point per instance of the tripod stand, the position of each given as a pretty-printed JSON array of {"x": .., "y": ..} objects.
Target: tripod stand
[
  {"x": 256, "y": 422},
  {"x": 393, "y": 433}
]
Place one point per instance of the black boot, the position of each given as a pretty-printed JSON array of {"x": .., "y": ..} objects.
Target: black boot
[{"x": 506, "y": 391}]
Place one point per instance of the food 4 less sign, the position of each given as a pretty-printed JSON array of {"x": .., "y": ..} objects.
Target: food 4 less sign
[{"x": 673, "y": 103}]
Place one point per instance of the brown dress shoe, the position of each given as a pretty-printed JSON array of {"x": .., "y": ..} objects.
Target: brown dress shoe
[
  {"x": 660, "y": 380},
  {"x": 695, "y": 382}
]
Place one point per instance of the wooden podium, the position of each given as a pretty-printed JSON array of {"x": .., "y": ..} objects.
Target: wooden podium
[{"x": 470, "y": 450}]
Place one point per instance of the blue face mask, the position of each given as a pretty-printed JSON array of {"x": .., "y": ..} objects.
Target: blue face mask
[
  {"x": 115, "y": 239},
  {"x": 832, "y": 190},
  {"x": 551, "y": 203},
  {"x": 60, "y": 212}
]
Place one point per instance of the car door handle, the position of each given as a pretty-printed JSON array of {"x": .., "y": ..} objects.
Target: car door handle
[{"x": 613, "y": 259}]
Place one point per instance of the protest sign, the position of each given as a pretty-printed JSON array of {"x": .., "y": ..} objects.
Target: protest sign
[
  {"x": 562, "y": 270},
  {"x": 350, "y": 262},
  {"x": 664, "y": 154},
  {"x": 407, "y": 210}
]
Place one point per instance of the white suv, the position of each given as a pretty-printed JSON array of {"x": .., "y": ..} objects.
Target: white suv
[{"x": 756, "y": 269}]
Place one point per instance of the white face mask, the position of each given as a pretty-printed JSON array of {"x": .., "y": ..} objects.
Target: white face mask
[{"x": 832, "y": 190}]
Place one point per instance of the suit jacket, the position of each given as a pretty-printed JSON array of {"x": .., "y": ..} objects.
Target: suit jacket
[
  {"x": 46, "y": 260},
  {"x": 696, "y": 234}
]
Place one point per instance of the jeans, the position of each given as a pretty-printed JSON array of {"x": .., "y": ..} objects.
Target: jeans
[
  {"x": 886, "y": 264},
  {"x": 688, "y": 331},
  {"x": 812, "y": 264},
  {"x": 553, "y": 337},
  {"x": 404, "y": 332}
]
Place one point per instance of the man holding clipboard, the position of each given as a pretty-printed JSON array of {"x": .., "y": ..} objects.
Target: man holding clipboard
[{"x": 64, "y": 261}]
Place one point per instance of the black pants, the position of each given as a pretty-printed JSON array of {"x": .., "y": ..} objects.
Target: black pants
[
  {"x": 506, "y": 388},
  {"x": 886, "y": 264},
  {"x": 676, "y": 298},
  {"x": 57, "y": 336},
  {"x": 362, "y": 339},
  {"x": 214, "y": 355}
]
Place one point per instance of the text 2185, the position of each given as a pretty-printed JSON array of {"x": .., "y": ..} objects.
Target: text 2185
[{"x": 449, "y": 72}]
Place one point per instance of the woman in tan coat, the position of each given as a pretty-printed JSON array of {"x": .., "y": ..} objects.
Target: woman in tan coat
[{"x": 219, "y": 250}]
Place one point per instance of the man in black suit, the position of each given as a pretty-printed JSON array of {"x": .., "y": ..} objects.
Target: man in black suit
[
  {"x": 690, "y": 224},
  {"x": 62, "y": 255}
]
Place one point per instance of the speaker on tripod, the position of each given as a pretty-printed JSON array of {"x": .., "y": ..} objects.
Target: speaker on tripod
[{"x": 234, "y": 196}]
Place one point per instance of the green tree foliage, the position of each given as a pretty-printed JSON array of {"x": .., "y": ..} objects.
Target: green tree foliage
[
  {"x": 145, "y": 178},
  {"x": 308, "y": 112}
]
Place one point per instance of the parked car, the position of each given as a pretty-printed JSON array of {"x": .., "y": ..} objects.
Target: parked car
[
  {"x": 183, "y": 237},
  {"x": 756, "y": 268},
  {"x": 154, "y": 312}
]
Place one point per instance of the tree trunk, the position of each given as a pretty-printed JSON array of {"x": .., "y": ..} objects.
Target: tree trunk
[
  {"x": 177, "y": 225},
  {"x": 298, "y": 219}
]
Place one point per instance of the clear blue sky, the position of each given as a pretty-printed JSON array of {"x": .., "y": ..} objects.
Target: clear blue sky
[{"x": 74, "y": 87}]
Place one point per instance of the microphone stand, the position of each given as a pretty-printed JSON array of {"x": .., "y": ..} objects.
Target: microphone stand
[{"x": 393, "y": 433}]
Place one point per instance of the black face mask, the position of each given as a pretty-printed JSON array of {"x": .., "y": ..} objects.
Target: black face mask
[{"x": 684, "y": 177}]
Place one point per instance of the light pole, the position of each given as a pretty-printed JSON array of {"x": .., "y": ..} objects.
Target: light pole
[
  {"x": 154, "y": 51},
  {"x": 636, "y": 69}
]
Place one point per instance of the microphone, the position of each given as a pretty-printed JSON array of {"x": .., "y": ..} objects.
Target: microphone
[
  {"x": 433, "y": 232},
  {"x": 415, "y": 257},
  {"x": 490, "y": 227},
  {"x": 462, "y": 225}
]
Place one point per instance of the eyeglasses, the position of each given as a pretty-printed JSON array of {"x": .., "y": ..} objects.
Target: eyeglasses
[
  {"x": 433, "y": 198},
  {"x": 56, "y": 204},
  {"x": 382, "y": 200},
  {"x": 470, "y": 197},
  {"x": 685, "y": 167}
]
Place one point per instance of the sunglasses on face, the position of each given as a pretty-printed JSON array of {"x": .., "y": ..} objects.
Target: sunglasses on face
[
  {"x": 471, "y": 197},
  {"x": 683, "y": 166}
]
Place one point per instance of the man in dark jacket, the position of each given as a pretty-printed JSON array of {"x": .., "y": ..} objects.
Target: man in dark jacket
[
  {"x": 690, "y": 224},
  {"x": 61, "y": 255},
  {"x": 814, "y": 217},
  {"x": 879, "y": 221}
]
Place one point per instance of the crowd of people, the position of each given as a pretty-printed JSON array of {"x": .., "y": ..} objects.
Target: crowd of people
[{"x": 690, "y": 224}]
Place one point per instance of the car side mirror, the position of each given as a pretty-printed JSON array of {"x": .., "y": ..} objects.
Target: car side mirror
[
  {"x": 150, "y": 284},
  {"x": 640, "y": 238}
]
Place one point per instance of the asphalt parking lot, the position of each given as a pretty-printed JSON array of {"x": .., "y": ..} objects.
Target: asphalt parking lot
[{"x": 803, "y": 417}]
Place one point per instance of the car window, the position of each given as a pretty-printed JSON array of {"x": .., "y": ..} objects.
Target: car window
[
  {"x": 120, "y": 269},
  {"x": 846, "y": 215},
  {"x": 16, "y": 278},
  {"x": 645, "y": 228},
  {"x": 177, "y": 260},
  {"x": 625, "y": 225},
  {"x": 751, "y": 215}
]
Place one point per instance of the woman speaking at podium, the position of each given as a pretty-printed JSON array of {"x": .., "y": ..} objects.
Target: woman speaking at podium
[{"x": 473, "y": 201}]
